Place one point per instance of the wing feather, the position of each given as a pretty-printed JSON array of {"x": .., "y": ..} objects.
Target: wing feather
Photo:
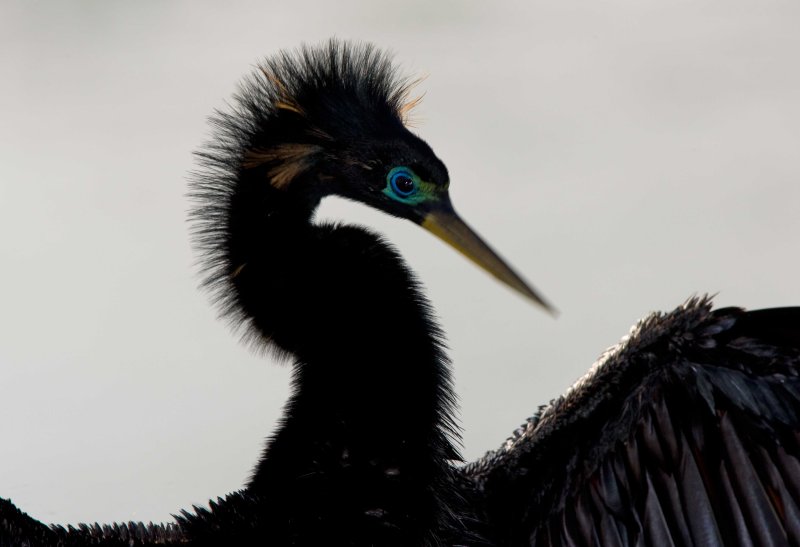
[
  {"x": 686, "y": 434},
  {"x": 656, "y": 528}
]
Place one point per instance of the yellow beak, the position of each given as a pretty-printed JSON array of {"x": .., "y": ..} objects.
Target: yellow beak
[{"x": 447, "y": 226}]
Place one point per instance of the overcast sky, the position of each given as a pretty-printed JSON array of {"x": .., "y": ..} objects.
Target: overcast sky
[{"x": 623, "y": 155}]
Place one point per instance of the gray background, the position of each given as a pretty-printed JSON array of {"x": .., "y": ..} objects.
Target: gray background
[{"x": 624, "y": 155}]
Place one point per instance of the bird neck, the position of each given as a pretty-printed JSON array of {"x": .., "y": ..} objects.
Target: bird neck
[{"x": 369, "y": 424}]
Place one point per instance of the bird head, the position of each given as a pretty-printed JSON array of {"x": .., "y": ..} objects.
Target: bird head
[{"x": 332, "y": 120}]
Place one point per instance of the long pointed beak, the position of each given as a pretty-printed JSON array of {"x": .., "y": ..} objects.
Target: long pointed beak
[{"x": 448, "y": 226}]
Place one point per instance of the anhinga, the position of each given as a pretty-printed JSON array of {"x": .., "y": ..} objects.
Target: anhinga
[{"x": 686, "y": 433}]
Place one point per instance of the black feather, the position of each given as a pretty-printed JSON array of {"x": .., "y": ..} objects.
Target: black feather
[
  {"x": 696, "y": 413},
  {"x": 362, "y": 453}
]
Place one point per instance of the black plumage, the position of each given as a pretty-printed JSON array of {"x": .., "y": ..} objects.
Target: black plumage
[
  {"x": 684, "y": 434},
  {"x": 354, "y": 459}
]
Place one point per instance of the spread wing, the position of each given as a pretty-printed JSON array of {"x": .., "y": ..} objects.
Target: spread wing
[
  {"x": 17, "y": 529},
  {"x": 687, "y": 433}
]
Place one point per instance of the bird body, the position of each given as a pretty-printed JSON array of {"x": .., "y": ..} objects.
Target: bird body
[{"x": 656, "y": 446}]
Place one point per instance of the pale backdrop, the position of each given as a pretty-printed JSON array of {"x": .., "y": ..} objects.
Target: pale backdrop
[{"x": 624, "y": 155}]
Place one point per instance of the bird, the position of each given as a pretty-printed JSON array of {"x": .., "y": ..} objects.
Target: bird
[{"x": 687, "y": 432}]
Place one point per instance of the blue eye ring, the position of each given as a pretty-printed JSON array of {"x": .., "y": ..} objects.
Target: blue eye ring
[{"x": 402, "y": 182}]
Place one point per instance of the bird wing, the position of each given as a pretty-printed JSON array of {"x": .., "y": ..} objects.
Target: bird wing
[
  {"x": 686, "y": 433},
  {"x": 17, "y": 529}
]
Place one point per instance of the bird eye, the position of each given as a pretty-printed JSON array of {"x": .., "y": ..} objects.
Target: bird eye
[{"x": 402, "y": 182}]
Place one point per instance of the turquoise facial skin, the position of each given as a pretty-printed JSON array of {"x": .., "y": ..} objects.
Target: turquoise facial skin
[{"x": 422, "y": 191}]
